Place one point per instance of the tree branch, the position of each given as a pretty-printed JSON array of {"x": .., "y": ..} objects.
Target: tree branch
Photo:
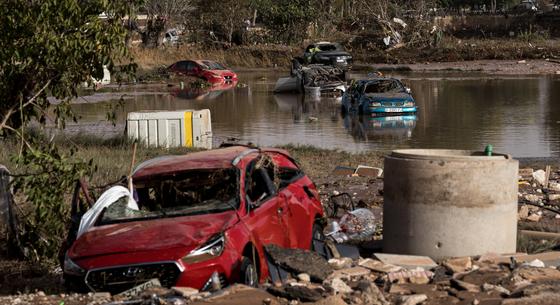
[{"x": 11, "y": 111}]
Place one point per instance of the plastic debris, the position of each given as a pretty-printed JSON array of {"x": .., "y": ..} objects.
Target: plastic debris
[{"x": 356, "y": 225}]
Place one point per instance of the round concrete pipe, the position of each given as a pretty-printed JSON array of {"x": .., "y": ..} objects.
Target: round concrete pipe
[{"x": 445, "y": 203}]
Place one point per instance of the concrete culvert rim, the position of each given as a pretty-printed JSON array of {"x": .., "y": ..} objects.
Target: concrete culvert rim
[{"x": 447, "y": 154}]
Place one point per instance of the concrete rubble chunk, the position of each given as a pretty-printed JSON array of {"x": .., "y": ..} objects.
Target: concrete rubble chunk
[
  {"x": 101, "y": 296},
  {"x": 523, "y": 212},
  {"x": 553, "y": 197},
  {"x": 498, "y": 288},
  {"x": 185, "y": 291},
  {"x": 539, "y": 176},
  {"x": 350, "y": 273},
  {"x": 407, "y": 261},
  {"x": 378, "y": 266},
  {"x": 526, "y": 172},
  {"x": 461, "y": 285},
  {"x": 534, "y": 217},
  {"x": 458, "y": 264},
  {"x": 370, "y": 293},
  {"x": 534, "y": 274},
  {"x": 338, "y": 285},
  {"x": 340, "y": 263},
  {"x": 300, "y": 261},
  {"x": 412, "y": 299},
  {"x": 304, "y": 277},
  {"x": 537, "y": 263},
  {"x": 419, "y": 276},
  {"x": 533, "y": 198},
  {"x": 553, "y": 186}
]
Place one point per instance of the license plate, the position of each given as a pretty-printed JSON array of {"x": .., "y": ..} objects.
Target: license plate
[
  {"x": 393, "y": 109},
  {"x": 340, "y": 60},
  {"x": 393, "y": 118}
]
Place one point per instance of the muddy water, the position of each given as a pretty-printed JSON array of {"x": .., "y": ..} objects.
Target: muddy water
[{"x": 517, "y": 115}]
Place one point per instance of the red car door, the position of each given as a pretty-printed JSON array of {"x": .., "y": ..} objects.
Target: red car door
[
  {"x": 264, "y": 207},
  {"x": 297, "y": 217}
]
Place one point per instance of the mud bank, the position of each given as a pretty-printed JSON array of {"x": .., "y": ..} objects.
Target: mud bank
[
  {"x": 493, "y": 67},
  {"x": 487, "y": 55}
]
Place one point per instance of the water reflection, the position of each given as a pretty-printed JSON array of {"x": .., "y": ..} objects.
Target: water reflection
[
  {"x": 366, "y": 128},
  {"x": 205, "y": 93},
  {"x": 517, "y": 115}
]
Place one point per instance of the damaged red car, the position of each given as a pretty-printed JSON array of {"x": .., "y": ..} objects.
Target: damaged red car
[
  {"x": 207, "y": 70},
  {"x": 198, "y": 218}
]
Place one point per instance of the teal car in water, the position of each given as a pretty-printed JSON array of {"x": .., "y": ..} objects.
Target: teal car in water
[{"x": 379, "y": 96}]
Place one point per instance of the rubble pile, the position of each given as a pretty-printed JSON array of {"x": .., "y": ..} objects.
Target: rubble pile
[
  {"x": 539, "y": 199},
  {"x": 381, "y": 279}
]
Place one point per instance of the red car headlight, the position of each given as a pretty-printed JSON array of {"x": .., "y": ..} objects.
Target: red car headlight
[
  {"x": 211, "y": 249},
  {"x": 72, "y": 268}
]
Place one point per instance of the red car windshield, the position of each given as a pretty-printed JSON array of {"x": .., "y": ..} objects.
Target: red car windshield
[
  {"x": 212, "y": 65},
  {"x": 193, "y": 192}
]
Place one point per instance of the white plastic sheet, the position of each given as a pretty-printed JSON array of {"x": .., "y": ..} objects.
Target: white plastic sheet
[{"x": 109, "y": 197}]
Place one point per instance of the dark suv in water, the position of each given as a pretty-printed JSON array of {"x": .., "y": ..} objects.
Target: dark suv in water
[{"x": 327, "y": 53}]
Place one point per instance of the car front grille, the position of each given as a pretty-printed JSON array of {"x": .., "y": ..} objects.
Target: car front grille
[
  {"x": 121, "y": 278},
  {"x": 228, "y": 77},
  {"x": 392, "y": 104}
]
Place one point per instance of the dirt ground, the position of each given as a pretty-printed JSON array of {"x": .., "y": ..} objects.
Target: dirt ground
[{"x": 497, "y": 67}]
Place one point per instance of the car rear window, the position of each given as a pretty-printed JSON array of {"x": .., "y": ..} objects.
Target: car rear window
[
  {"x": 212, "y": 65},
  {"x": 201, "y": 191},
  {"x": 329, "y": 47}
]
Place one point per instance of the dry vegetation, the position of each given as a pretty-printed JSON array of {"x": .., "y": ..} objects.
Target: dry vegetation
[{"x": 261, "y": 56}]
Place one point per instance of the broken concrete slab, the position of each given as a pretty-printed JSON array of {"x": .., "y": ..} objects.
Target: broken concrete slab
[
  {"x": 185, "y": 291},
  {"x": 338, "y": 285},
  {"x": 407, "y": 261},
  {"x": 298, "y": 292},
  {"x": 340, "y": 263},
  {"x": 411, "y": 299},
  {"x": 419, "y": 276},
  {"x": 462, "y": 285},
  {"x": 300, "y": 261},
  {"x": 350, "y": 273},
  {"x": 378, "y": 266},
  {"x": 458, "y": 264},
  {"x": 526, "y": 173},
  {"x": 370, "y": 293}
]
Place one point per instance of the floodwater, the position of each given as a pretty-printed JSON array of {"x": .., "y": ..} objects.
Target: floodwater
[{"x": 517, "y": 115}]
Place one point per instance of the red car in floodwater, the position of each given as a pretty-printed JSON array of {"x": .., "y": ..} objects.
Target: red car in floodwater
[
  {"x": 207, "y": 70},
  {"x": 199, "y": 213}
]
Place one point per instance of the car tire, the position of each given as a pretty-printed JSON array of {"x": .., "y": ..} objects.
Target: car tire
[
  {"x": 316, "y": 234},
  {"x": 248, "y": 273}
]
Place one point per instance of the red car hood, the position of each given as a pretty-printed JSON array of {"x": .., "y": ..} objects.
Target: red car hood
[{"x": 185, "y": 232}]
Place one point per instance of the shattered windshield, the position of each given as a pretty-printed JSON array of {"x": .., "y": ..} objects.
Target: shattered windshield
[
  {"x": 384, "y": 86},
  {"x": 212, "y": 65},
  {"x": 201, "y": 191}
]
